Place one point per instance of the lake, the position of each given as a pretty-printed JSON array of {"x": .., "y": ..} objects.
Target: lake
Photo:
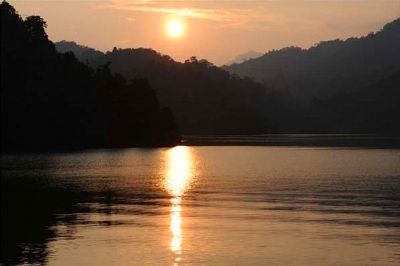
[{"x": 203, "y": 205}]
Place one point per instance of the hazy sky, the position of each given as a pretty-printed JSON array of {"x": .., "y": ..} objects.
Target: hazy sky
[{"x": 215, "y": 30}]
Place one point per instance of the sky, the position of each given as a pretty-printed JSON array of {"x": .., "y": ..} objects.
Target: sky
[{"x": 214, "y": 30}]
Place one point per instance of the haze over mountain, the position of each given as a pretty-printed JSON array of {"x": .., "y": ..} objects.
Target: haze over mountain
[
  {"x": 244, "y": 57},
  {"x": 373, "y": 108},
  {"x": 329, "y": 67},
  {"x": 370, "y": 109}
]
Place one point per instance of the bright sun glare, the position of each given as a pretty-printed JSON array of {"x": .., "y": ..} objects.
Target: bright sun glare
[{"x": 175, "y": 28}]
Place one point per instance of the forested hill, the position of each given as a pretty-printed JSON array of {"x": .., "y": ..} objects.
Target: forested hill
[
  {"x": 205, "y": 99},
  {"x": 329, "y": 67},
  {"x": 52, "y": 101}
]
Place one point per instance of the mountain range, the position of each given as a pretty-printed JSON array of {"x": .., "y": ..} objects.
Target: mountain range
[{"x": 290, "y": 90}]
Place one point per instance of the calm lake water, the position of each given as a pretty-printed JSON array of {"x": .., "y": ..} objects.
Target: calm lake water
[{"x": 202, "y": 205}]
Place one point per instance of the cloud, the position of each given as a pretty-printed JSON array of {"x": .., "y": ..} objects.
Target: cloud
[{"x": 151, "y": 7}]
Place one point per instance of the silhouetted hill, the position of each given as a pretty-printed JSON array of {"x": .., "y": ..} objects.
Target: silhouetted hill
[
  {"x": 83, "y": 53},
  {"x": 244, "y": 57},
  {"x": 329, "y": 67},
  {"x": 205, "y": 98},
  {"x": 53, "y": 101}
]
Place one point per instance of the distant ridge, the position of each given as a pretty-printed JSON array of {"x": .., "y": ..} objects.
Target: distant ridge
[{"x": 244, "y": 57}]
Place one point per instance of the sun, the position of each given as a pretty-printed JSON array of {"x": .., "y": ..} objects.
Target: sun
[{"x": 175, "y": 28}]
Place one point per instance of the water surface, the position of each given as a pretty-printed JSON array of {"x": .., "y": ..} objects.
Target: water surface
[{"x": 222, "y": 205}]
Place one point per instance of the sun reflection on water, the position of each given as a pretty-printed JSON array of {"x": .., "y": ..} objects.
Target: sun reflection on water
[{"x": 178, "y": 178}]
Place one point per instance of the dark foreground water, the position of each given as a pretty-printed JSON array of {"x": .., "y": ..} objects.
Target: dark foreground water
[{"x": 221, "y": 205}]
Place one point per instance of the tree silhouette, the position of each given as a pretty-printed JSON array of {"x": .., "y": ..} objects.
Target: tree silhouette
[{"x": 53, "y": 101}]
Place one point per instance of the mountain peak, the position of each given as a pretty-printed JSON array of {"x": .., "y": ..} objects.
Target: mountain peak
[{"x": 244, "y": 57}]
